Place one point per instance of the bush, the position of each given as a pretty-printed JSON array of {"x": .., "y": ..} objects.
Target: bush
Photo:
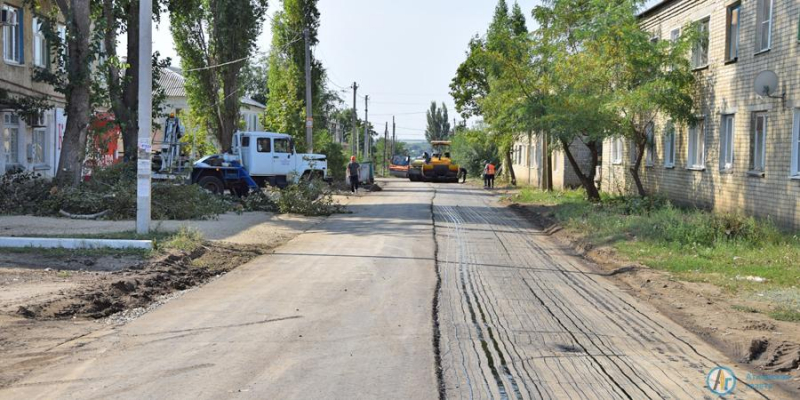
[
  {"x": 261, "y": 200},
  {"x": 21, "y": 193},
  {"x": 311, "y": 198}
]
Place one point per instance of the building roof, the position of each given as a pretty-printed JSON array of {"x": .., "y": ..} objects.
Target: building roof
[
  {"x": 173, "y": 82},
  {"x": 655, "y": 8}
]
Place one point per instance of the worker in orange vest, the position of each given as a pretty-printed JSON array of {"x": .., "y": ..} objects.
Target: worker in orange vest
[{"x": 488, "y": 175}]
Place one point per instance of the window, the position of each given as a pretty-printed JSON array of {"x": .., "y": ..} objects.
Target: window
[
  {"x": 263, "y": 145},
  {"x": 726, "y": 143},
  {"x": 669, "y": 145},
  {"x": 650, "y": 150},
  {"x": 764, "y": 25},
  {"x": 697, "y": 145},
  {"x": 758, "y": 140},
  {"x": 533, "y": 152},
  {"x": 11, "y": 138},
  {"x": 674, "y": 35},
  {"x": 617, "y": 148},
  {"x": 700, "y": 48},
  {"x": 732, "y": 32},
  {"x": 40, "y": 49},
  {"x": 795, "y": 170},
  {"x": 38, "y": 146},
  {"x": 12, "y": 35},
  {"x": 282, "y": 146}
]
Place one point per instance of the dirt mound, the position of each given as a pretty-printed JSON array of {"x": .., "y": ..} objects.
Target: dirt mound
[
  {"x": 780, "y": 357},
  {"x": 142, "y": 284}
]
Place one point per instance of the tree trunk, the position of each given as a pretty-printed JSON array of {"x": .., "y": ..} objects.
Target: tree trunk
[
  {"x": 547, "y": 165},
  {"x": 509, "y": 167},
  {"x": 587, "y": 180},
  {"x": 230, "y": 108},
  {"x": 640, "y": 148},
  {"x": 78, "y": 92},
  {"x": 129, "y": 123}
]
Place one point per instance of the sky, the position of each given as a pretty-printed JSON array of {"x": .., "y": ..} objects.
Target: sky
[{"x": 403, "y": 54}]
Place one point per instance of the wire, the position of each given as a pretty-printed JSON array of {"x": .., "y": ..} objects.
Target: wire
[
  {"x": 393, "y": 114},
  {"x": 295, "y": 40}
]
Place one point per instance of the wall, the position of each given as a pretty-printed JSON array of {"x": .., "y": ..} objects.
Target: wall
[{"x": 726, "y": 88}]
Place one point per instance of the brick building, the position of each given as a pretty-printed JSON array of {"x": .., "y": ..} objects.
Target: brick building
[
  {"x": 744, "y": 154},
  {"x": 527, "y": 158},
  {"x": 33, "y": 143}
]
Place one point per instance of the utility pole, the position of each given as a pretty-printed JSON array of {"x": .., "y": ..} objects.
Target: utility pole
[
  {"x": 354, "y": 136},
  {"x": 366, "y": 128},
  {"x": 143, "y": 167},
  {"x": 385, "y": 145},
  {"x": 309, "y": 116},
  {"x": 394, "y": 135}
]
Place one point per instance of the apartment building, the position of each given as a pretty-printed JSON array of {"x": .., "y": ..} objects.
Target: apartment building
[
  {"x": 528, "y": 161},
  {"x": 32, "y": 143},
  {"x": 744, "y": 153}
]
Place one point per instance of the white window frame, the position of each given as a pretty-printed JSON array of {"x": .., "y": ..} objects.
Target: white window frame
[
  {"x": 761, "y": 23},
  {"x": 12, "y": 35},
  {"x": 650, "y": 147},
  {"x": 617, "y": 150},
  {"x": 758, "y": 151},
  {"x": 727, "y": 134},
  {"x": 697, "y": 47},
  {"x": 39, "y": 146},
  {"x": 40, "y": 47},
  {"x": 795, "y": 168},
  {"x": 731, "y": 37},
  {"x": 533, "y": 153},
  {"x": 696, "y": 157},
  {"x": 11, "y": 136},
  {"x": 669, "y": 145}
]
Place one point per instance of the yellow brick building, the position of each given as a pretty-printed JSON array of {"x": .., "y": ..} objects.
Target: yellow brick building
[{"x": 744, "y": 154}]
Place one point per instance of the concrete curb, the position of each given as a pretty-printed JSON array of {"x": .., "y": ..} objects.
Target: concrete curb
[{"x": 66, "y": 243}]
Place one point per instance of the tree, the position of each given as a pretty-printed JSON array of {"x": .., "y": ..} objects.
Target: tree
[
  {"x": 214, "y": 39},
  {"x": 255, "y": 77},
  {"x": 71, "y": 76},
  {"x": 438, "y": 123},
  {"x": 286, "y": 82},
  {"x": 651, "y": 79}
]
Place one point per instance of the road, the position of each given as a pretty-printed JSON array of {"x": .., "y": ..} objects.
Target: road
[{"x": 368, "y": 305}]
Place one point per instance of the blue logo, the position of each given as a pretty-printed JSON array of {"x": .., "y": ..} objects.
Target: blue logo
[{"x": 721, "y": 381}]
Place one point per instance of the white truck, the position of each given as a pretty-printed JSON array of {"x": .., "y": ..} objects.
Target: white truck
[{"x": 257, "y": 159}]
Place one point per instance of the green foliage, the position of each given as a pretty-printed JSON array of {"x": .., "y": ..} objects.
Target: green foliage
[
  {"x": 197, "y": 140},
  {"x": 335, "y": 155},
  {"x": 111, "y": 190},
  {"x": 694, "y": 244},
  {"x": 21, "y": 193},
  {"x": 214, "y": 38},
  {"x": 286, "y": 81},
  {"x": 310, "y": 198},
  {"x": 472, "y": 147},
  {"x": 438, "y": 127}
]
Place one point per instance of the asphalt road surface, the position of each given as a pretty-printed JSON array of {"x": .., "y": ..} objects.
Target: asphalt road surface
[{"x": 369, "y": 306}]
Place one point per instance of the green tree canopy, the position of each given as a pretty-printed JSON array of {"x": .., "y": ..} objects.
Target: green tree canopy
[{"x": 438, "y": 123}]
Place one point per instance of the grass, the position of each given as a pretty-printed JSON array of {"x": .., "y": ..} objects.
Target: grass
[{"x": 694, "y": 245}]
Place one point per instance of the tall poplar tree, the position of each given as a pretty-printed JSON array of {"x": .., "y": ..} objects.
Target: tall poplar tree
[
  {"x": 286, "y": 81},
  {"x": 215, "y": 39}
]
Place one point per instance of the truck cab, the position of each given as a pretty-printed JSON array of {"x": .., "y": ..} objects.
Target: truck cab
[{"x": 258, "y": 159}]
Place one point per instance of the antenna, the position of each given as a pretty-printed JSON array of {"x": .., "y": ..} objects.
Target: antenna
[{"x": 766, "y": 84}]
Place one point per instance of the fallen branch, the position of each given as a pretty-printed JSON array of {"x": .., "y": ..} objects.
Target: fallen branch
[{"x": 83, "y": 216}]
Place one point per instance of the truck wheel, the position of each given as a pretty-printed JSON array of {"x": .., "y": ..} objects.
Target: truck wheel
[{"x": 212, "y": 184}]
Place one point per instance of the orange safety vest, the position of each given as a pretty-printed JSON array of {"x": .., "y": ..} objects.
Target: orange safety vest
[{"x": 490, "y": 169}]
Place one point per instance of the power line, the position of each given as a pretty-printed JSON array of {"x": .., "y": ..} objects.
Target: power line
[{"x": 295, "y": 40}]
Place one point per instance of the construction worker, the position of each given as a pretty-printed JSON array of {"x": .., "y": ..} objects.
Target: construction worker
[
  {"x": 488, "y": 174},
  {"x": 352, "y": 173},
  {"x": 462, "y": 172}
]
